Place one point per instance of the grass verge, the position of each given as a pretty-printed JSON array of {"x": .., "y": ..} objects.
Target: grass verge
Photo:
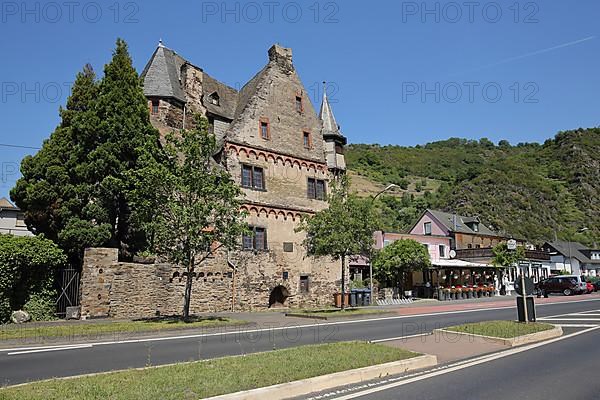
[
  {"x": 501, "y": 329},
  {"x": 92, "y": 328},
  {"x": 214, "y": 377},
  {"x": 336, "y": 312}
]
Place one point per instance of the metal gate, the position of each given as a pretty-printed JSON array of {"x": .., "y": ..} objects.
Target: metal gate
[{"x": 68, "y": 291}]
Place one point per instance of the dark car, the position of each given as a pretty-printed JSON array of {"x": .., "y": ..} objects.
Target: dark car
[{"x": 557, "y": 284}]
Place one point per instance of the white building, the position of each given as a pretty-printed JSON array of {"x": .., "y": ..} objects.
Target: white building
[
  {"x": 574, "y": 258},
  {"x": 11, "y": 219}
]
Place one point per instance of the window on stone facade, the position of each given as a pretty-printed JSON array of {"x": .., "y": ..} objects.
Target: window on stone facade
[
  {"x": 253, "y": 177},
  {"x": 316, "y": 189},
  {"x": 307, "y": 140},
  {"x": 154, "y": 108},
  {"x": 427, "y": 228},
  {"x": 304, "y": 284},
  {"x": 256, "y": 240},
  {"x": 265, "y": 129},
  {"x": 469, "y": 246},
  {"x": 299, "y": 106},
  {"x": 286, "y": 275},
  {"x": 288, "y": 247}
]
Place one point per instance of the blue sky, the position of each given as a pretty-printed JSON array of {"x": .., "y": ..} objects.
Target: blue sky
[{"x": 400, "y": 72}]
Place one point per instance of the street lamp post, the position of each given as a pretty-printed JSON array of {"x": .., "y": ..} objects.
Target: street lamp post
[{"x": 388, "y": 187}]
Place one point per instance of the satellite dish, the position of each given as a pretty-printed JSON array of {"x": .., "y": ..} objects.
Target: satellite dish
[
  {"x": 452, "y": 254},
  {"x": 511, "y": 244}
]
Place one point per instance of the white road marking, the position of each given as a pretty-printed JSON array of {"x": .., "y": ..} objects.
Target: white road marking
[
  {"x": 568, "y": 319},
  {"x": 273, "y": 329},
  {"x": 74, "y": 347},
  {"x": 469, "y": 364},
  {"x": 575, "y": 325},
  {"x": 401, "y": 337}
]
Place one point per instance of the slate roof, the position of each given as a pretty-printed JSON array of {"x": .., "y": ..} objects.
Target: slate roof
[
  {"x": 458, "y": 223},
  {"x": 330, "y": 125},
  {"x": 575, "y": 250},
  {"x": 228, "y": 97},
  {"x": 162, "y": 74},
  {"x": 5, "y": 204}
]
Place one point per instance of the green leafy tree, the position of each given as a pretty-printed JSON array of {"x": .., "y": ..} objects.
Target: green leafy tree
[
  {"x": 342, "y": 230},
  {"x": 394, "y": 262},
  {"x": 504, "y": 258},
  {"x": 27, "y": 265},
  {"x": 83, "y": 188},
  {"x": 202, "y": 214}
]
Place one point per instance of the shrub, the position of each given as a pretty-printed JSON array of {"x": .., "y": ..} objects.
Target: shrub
[
  {"x": 41, "y": 306},
  {"x": 27, "y": 268}
]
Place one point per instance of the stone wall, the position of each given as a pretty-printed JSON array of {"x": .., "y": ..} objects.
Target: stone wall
[{"x": 110, "y": 288}]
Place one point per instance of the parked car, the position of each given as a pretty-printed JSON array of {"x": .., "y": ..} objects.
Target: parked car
[{"x": 566, "y": 285}]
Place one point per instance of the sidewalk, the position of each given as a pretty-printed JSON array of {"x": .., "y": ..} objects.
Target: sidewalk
[{"x": 277, "y": 319}]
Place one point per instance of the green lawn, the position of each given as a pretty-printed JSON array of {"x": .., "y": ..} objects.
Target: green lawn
[
  {"x": 336, "y": 312},
  {"x": 501, "y": 329},
  {"x": 92, "y": 329},
  {"x": 214, "y": 377}
]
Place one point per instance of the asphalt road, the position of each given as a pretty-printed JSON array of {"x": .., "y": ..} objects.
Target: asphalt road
[
  {"x": 23, "y": 365},
  {"x": 567, "y": 369}
]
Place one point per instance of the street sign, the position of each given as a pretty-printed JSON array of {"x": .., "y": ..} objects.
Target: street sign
[
  {"x": 529, "y": 286},
  {"x": 511, "y": 244}
]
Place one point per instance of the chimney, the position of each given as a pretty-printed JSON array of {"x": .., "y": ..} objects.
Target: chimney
[{"x": 281, "y": 56}]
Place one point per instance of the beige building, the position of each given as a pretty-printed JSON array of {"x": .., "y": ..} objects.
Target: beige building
[
  {"x": 280, "y": 151},
  {"x": 12, "y": 221}
]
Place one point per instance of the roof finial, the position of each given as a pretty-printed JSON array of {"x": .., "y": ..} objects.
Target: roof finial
[
  {"x": 324, "y": 89},
  {"x": 160, "y": 43}
]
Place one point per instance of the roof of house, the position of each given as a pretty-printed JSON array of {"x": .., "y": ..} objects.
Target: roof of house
[
  {"x": 330, "y": 125},
  {"x": 5, "y": 204},
  {"x": 459, "y": 223},
  {"x": 162, "y": 78},
  {"x": 228, "y": 97},
  {"x": 162, "y": 74},
  {"x": 575, "y": 250}
]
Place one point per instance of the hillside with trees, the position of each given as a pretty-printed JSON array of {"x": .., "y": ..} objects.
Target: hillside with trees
[{"x": 529, "y": 190}]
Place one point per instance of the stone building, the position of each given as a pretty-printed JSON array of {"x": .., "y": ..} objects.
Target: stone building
[{"x": 281, "y": 152}]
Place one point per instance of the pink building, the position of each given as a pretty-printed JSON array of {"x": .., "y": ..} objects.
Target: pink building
[{"x": 437, "y": 245}]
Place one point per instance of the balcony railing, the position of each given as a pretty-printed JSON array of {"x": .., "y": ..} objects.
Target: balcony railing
[{"x": 488, "y": 253}]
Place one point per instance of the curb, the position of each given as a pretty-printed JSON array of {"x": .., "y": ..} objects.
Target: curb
[
  {"x": 341, "y": 317},
  {"x": 510, "y": 342},
  {"x": 325, "y": 382}
]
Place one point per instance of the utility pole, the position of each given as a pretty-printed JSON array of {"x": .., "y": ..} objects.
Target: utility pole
[{"x": 388, "y": 187}]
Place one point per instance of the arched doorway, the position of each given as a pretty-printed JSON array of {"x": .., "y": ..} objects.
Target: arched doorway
[{"x": 278, "y": 296}]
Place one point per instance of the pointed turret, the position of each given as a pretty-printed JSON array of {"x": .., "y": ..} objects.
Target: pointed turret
[
  {"x": 161, "y": 75},
  {"x": 332, "y": 136}
]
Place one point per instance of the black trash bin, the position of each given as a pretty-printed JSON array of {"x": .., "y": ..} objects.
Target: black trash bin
[
  {"x": 360, "y": 298},
  {"x": 352, "y": 298}
]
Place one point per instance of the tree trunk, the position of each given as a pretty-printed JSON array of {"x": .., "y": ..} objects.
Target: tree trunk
[
  {"x": 342, "y": 304},
  {"x": 187, "y": 298}
]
